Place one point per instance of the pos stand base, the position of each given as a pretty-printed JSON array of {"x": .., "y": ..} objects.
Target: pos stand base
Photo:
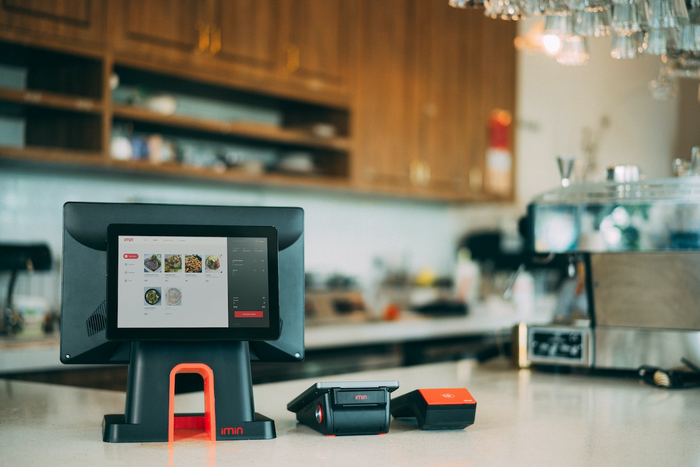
[{"x": 225, "y": 370}]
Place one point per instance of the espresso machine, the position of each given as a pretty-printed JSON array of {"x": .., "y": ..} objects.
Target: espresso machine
[{"x": 637, "y": 248}]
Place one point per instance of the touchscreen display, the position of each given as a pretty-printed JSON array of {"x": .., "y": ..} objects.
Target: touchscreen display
[{"x": 192, "y": 282}]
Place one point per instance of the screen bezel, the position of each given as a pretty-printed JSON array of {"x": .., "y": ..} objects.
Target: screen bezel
[{"x": 114, "y": 333}]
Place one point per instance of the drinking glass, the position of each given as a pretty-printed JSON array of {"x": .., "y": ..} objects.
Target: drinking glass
[
  {"x": 559, "y": 24},
  {"x": 689, "y": 34},
  {"x": 593, "y": 19},
  {"x": 681, "y": 167},
  {"x": 659, "y": 41},
  {"x": 466, "y": 3},
  {"x": 628, "y": 17},
  {"x": 664, "y": 14},
  {"x": 625, "y": 47},
  {"x": 664, "y": 87},
  {"x": 535, "y": 7},
  {"x": 504, "y": 9},
  {"x": 695, "y": 162},
  {"x": 574, "y": 51}
]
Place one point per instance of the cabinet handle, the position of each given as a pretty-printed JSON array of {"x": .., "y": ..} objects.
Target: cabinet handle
[
  {"x": 204, "y": 37},
  {"x": 476, "y": 180},
  {"x": 215, "y": 45},
  {"x": 419, "y": 173},
  {"x": 292, "y": 58}
]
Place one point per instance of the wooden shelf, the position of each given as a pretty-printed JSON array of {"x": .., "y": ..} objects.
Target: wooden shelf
[
  {"x": 51, "y": 100},
  {"x": 54, "y": 155},
  {"x": 247, "y": 130},
  {"x": 239, "y": 176},
  {"x": 98, "y": 161}
]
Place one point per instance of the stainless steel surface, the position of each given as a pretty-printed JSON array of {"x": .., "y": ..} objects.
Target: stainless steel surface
[
  {"x": 627, "y": 348},
  {"x": 647, "y": 290},
  {"x": 643, "y": 242}
]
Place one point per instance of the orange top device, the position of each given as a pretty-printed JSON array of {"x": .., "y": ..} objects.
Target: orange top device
[{"x": 436, "y": 409}]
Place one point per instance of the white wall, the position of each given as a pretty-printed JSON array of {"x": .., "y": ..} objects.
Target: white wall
[{"x": 556, "y": 102}]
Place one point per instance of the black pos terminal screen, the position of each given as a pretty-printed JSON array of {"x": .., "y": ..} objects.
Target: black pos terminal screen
[{"x": 187, "y": 282}]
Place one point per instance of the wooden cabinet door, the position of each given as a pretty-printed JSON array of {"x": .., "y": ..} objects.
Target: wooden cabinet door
[
  {"x": 81, "y": 20},
  {"x": 384, "y": 141},
  {"x": 316, "y": 45},
  {"x": 165, "y": 30},
  {"x": 450, "y": 96},
  {"x": 245, "y": 33}
]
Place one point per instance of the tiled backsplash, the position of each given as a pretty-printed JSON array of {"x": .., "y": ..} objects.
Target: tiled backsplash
[{"x": 344, "y": 233}]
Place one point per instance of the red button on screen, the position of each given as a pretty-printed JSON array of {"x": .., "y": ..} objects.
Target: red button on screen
[
  {"x": 248, "y": 314},
  {"x": 131, "y": 256}
]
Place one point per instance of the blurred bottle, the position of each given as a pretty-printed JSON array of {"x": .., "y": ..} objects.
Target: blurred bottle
[
  {"x": 467, "y": 277},
  {"x": 524, "y": 294}
]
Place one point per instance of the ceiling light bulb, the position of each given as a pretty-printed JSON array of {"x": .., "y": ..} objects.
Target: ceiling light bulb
[{"x": 551, "y": 43}]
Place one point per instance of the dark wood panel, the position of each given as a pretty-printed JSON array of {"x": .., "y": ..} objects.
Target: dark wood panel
[
  {"x": 315, "y": 35},
  {"x": 451, "y": 92},
  {"x": 167, "y": 24},
  {"x": 384, "y": 146},
  {"x": 249, "y": 33},
  {"x": 67, "y": 11},
  {"x": 81, "y": 20}
]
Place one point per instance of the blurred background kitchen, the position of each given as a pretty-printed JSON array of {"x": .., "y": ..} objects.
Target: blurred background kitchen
[{"x": 406, "y": 130}]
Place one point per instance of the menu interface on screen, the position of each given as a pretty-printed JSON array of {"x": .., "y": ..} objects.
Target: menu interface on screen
[{"x": 192, "y": 282}]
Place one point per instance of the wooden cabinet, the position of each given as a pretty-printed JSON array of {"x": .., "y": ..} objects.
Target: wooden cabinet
[
  {"x": 384, "y": 144},
  {"x": 317, "y": 43},
  {"x": 448, "y": 97},
  {"x": 389, "y": 96},
  {"x": 429, "y": 75},
  {"x": 246, "y": 33},
  {"x": 68, "y": 115},
  {"x": 294, "y": 44},
  {"x": 162, "y": 29},
  {"x": 71, "y": 20},
  {"x": 242, "y": 33}
]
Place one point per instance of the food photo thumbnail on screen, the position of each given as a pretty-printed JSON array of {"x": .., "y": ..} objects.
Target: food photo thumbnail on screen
[{"x": 156, "y": 290}]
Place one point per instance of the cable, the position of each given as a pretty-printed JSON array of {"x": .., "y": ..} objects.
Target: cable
[{"x": 671, "y": 379}]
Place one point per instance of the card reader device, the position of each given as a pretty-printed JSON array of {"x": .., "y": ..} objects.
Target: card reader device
[
  {"x": 345, "y": 408},
  {"x": 437, "y": 408}
]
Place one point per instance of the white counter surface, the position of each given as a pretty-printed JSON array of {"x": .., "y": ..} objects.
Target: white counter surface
[
  {"x": 523, "y": 417},
  {"x": 19, "y": 355}
]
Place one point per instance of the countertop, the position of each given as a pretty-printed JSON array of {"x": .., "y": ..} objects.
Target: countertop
[
  {"x": 523, "y": 417},
  {"x": 42, "y": 353}
]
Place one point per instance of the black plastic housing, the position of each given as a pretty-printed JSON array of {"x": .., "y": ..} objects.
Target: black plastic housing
[{"x": 346, "y": 408}]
